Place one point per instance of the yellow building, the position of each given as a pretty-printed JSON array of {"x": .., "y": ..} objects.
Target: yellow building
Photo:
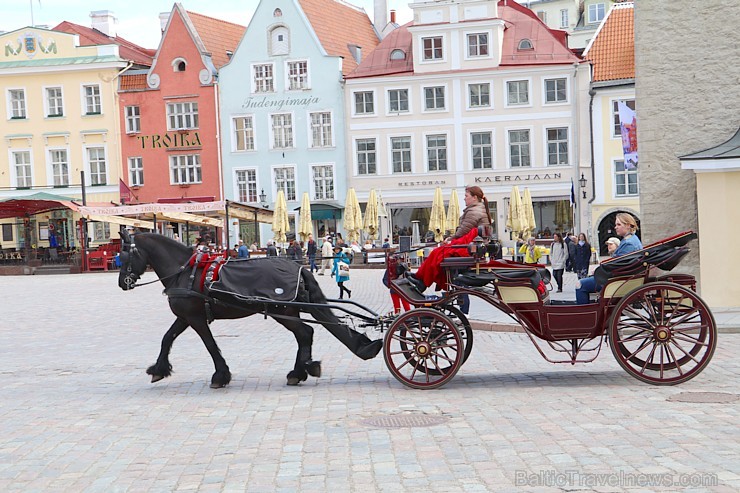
[{"x": 60, "y": 118}]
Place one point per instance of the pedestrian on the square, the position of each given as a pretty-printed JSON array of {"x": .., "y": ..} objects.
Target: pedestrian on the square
[
  {"x": 570, "y": 244},
  {"x": 532, "y": 252},
  {"x": 242, "y": 251},
  {"x": 271, "y": 250},
  {"x": 583, "y": 256},
  {"x": 326, "y": 256},
  {"x": 558, "y": 257},
  {"x": 311, "y": 252},
  {"x": 338, "y": 273}
]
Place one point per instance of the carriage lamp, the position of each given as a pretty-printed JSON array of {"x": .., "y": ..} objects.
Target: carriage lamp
[
  {"x": 263, "y": 198},
  {"x": 582, "y": 182}
]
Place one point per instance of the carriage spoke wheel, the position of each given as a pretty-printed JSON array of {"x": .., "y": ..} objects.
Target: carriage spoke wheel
[
  {"x": 662, "y": 333},
  {"x": 463, "y": 326},
  {"x": 423, "y": 348}
]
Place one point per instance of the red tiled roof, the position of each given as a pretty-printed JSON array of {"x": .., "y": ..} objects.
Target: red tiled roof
[
  {"x": 218, "y": 36},
  {"x": 338, "y": 25},
  {"x": 133, "y": 82},
  {"x": 379, "y": 61},
  {"x": 612, "y": 50},
  {"x": 91, "y": 37}
]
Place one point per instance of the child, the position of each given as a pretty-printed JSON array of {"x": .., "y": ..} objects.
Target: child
[{"x": 339, "y": 275}]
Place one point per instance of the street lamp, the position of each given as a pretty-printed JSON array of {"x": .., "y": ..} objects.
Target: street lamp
[
  {"x": 582, "y": 182},
  {"x": 263, "y": 202}
]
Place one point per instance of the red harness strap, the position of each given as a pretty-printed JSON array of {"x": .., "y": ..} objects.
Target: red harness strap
[{"x": 210, "y": 263}]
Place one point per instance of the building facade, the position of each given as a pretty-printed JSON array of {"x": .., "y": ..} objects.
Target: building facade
[{"x": 471, "y": 92}]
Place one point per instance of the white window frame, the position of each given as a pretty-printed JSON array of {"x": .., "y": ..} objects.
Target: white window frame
[
  {"x": 92, "y": 177},
  {"x": 246, "y": 169},
  {"x": 312, "y": 189},
  {"x": 615, "y": 115},
  {"x": 235, "y": 140},
  {"x": 47, "y": 105},
  {"x": 626, "y": 173},
  {"x": 544, "y": 90},
  {"x": 185, "y": 114},
  {"x": 445, "y": 93},
  {"x": 354, "y": 104},
  {"x": 391, "y": 170},
  {"x": 470, "y": 147},
  {"x": 135, "y": 173},
  {"x": 593, "y": 11},
  {"x": 468, "y": 34},
  {"x": 426, "y": 151},
  {"x": 196, "y": 166},
  {"x": 443, "y": 58},
  {"x": 288, "y": 77},
  {"x": 467, "y": 95},
  {"x": 133, "y": 121},
  {"x": 311, "y": 141},
  {"x": 564, "y": 18},
  {"x": 273, "y": 173},
  {"x": 270, "y": 124},
  {"x": 11, "y": 106},
  {"x": 253, "y": 77},
  {"x": 528, "y": 104},
  {"x": 84, "y": 102},
  {"x": 546, "y": 148},
  {"x": 14, "y": 167},
  {"x": 508, "y": 147},
  {"x": 50, "y": 167},
  {"x": 388, "y": 110},
  {"x": 356, "y": 154}
]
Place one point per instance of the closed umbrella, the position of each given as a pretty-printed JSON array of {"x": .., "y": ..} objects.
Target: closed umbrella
[
  {"x": 529, "y": 213},
  {"x": 280, "y": 222},
  {"x": 514, "y": 217},
  {"x": 437, "y": 217},
  {"x": 453, "y": 212},
  {"x": 306, "y": 226},
  {"x": 371, "y": 216},
  {"x": 352, "y": 216}
]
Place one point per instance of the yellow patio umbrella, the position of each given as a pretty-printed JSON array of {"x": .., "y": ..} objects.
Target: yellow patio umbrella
[
  {"x": 371, "y": 216},
  {"x": 280, "y": 222},
  {"x": 437, "y": 217},
  {"x": 453, "y": 212},
  {"x": 531, "y": 224},
  {"x": 305, "y": 227},
  {"x": 352, "y": 216},
  {"x": 514, "y": 217}
]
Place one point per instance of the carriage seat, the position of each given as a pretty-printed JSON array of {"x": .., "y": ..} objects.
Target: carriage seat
[{"x": 478, "y": 279}]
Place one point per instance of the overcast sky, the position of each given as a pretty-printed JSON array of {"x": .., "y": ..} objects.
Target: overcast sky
[{"x": 138, "y": 20}]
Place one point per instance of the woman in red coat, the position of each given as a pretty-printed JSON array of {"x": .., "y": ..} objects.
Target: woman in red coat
[{"x": 476, "y": 214}]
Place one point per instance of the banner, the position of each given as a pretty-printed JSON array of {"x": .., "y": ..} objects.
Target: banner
[
  {"x": 124, "y": 191},
  {"x": 628, "y": 128}
]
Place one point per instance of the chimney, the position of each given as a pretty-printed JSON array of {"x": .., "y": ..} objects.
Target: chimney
[
  {"x": 164, "y": 18},
  {"x": 393, "y": 16},
  {"x": 380, "y": 9},
  {"x": 104, "y": 21}
]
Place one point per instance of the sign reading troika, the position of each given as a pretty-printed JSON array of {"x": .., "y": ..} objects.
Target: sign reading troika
[{"x": 171, "y": 140}]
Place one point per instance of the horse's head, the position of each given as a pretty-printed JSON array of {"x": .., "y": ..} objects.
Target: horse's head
[{"x": 133, "y": 263}]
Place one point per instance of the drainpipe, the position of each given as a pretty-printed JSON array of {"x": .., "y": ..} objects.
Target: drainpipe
[
  {"x": 227, "y": 226},
  {"x": 592, "y": 93}
]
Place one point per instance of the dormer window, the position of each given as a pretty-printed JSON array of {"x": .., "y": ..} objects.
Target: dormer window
[
  {"x": 279, "y": 41},
  {"x": 398, "y": 55},
  {"x": 277, "y": 13},
  {"x": 525, "y": 44},
  {"x": 179, "y": 65}
]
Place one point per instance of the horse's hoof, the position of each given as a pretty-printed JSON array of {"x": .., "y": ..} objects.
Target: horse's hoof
[
  {"x": 217, "y": 385},
  {"x": 157, "y": 378},
  {"x": 292, "y": 381},
  {"x": 314, "y": 368}
]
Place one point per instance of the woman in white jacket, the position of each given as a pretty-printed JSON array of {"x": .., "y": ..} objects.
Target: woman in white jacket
[{"x": 558, "y": 256}]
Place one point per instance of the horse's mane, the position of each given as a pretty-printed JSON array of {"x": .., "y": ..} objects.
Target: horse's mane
[{"x": 166, "y": 242}]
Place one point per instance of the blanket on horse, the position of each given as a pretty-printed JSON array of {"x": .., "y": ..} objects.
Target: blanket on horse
[{"x": 257, "y": 279}]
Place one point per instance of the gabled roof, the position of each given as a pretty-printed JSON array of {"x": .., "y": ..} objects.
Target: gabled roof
[
  {"x": 339, "y": 25},
  {"x": 612, "y": 50},
  {"x": 91, "y": 37},
  {"x": 379, "y": 61},
  {"x": 218, "y": 36}
]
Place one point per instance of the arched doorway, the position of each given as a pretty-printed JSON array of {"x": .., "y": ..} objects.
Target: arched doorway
[{"x": 606, "y": 229}]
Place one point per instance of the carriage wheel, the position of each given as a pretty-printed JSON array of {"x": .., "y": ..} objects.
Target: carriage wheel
[
  {"x": 423, "y": 348},
  {"x": 463, "y": 326},
  {"x": 662, "y": 333}
]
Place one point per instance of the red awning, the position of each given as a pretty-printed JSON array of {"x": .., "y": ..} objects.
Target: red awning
[{"x": 34, "y": 204}]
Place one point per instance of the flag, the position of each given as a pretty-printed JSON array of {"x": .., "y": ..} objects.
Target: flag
[
  {"x": 124, "y": 191},
  {"x": 628, "y": 129},
  {"x": 572, "y": 193}
]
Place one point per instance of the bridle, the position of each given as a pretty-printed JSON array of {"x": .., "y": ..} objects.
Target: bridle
[{"x": 130, "y": 277}]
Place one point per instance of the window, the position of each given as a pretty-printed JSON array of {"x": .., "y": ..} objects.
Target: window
[
  {"x": 96, "y": 160},
  {"x": 136, "y": 171},
  {"x": 185, "y": 169},
  {"x": 181, "y": 116},
  {"x": 321, "y": 135},
  {"x": 481, "y": 144},
  {"x": 525, "y": 44},
  {"x": 54, "y": 102},
  {"x": 364, "y": 103},
  {"x": 101, "y": 231},
  {"x": 366, "y": 157},
  {"x": 279, "y": 41},
  {"x": 401, "y": 154},
  {"x": 133, "y": 119},
  {"x": 323, "y": 182},
  {"x": 398, "y": 100},
  {"x": 434, "y": 98},
  {"x": 17, "y": 103},
  {"x": 542, "y": 15},
  {"x": 59, "y": 167},
  {"x": 625, "y": 179},
  {"x": 7, "y": 232},
  {"x": 557, "y": 146},
  {"x": 596, "y": 12},
  {"x": 437, "y": 152},
  {"x": 285, "y": 181},
  {"x": 517, "y": 92},
  {"x": 616, "y": 123},
  {"x": 22, "y": 163},
  {"x": 263, "y": 78},
  {"x": 477, "y": 44},
  {"x": 246, "y": 185},
  {"x": 297, "y": 75},
  {"x": 92, "y": 100},
  {"x": 564, "y": 20},
  {"x": 479, "y": 95},
  {"x": 556, "y": 91},
  {"x": 432, "y": 48},
  {"x": 243, "y": 133},
  {"x": 398, "y": 55},
  {"x": 282, "y": 131},
  {"x": 519, "y": 150}
]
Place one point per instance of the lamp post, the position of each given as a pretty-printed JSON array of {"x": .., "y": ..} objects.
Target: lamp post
[
  {"x": 582, "y": 181},
  {"x": 263, "y": 202}
]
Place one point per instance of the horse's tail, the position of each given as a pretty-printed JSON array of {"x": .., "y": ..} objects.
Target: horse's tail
[{"x": 359, "y": 344}]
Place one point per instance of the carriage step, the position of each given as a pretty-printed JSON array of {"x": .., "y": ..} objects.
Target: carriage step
[{"x": 408, "y": 290}]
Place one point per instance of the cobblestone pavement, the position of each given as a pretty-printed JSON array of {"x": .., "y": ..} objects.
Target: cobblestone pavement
[{"x": 78, "y": 413}]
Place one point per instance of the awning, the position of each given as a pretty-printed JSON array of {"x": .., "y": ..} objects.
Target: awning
[
  {"x": 125, "y": 221},
  {"x": 186, "y": 217},
  {"x": 36, "y": 203},
  {"x": 175, "y": 211},
  {"x": 325, "y": 210},
  {"x": 246, "y": 212}
]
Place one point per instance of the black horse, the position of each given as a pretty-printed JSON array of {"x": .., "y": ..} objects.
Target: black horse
[{"x": 195, "y": 307}]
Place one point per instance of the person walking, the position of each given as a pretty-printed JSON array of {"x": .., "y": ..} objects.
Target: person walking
[
  {"x": 326, "y": 255},
  {"x": 583, "y": 256},
  {"x": 570, "y": 245},
  {"x": 311, "y": 252},
  {"x": 558, "y": 258},
  {"x": 340, "y": 275}
]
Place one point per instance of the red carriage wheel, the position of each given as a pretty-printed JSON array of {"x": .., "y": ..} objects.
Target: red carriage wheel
[
  {"x": 662, "y": 333},
  {"x": 423, "y": 348}
]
